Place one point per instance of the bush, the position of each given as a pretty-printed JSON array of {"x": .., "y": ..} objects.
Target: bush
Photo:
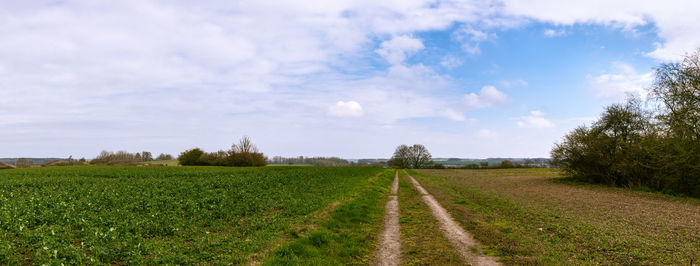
[
  {"x": 192, "y": 157},
  {"x": 243, "y": 154},
  {"x": 633, "y": 147}
]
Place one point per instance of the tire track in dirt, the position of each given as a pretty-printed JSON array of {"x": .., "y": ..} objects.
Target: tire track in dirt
[
  {"x": 463, "y": 242},
  {"x": 389, "y": 243}
]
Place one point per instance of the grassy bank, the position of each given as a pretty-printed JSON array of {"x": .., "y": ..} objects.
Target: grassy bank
[{"x": 527, "y": 216}]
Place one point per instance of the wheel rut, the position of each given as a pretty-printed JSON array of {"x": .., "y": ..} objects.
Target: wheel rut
[
  {"x": 389, "y": 243},
  {"x": 463, "y": 242}
]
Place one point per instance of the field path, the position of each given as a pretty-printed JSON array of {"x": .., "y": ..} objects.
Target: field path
[
  {"x": 389, "y": 243},
  {"x": 463, "y": 242}
]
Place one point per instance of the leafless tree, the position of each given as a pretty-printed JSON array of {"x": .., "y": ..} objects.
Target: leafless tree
[{"x": 245, "y": 145}]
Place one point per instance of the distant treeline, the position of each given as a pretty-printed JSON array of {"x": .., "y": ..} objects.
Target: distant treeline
[
  {"x": 655, "y": 146},
  {"x": 503, "y": 164},
  {"x": 316, "y": 161},
  {"x": 322, "y": 161},
  {"x": 245, "y": 153},
  {"x": 126, "y": 158},
  {"x": 495, "y": 163}
]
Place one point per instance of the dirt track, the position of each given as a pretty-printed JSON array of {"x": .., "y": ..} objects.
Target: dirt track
[
  {"x": 463, "y": 242},
  {"x": 389, "y": 243}
]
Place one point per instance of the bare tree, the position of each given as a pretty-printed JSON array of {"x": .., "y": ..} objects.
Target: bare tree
[{"x": 245, "y": 145}]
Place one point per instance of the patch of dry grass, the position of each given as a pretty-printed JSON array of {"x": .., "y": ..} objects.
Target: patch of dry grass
[{"x": 526, "y": 216}]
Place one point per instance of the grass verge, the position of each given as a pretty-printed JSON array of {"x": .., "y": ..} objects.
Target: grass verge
[{"x": 348, "y": 237}]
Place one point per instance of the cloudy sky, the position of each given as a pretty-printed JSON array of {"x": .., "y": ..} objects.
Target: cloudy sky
[{"x": 353, "y": 79}]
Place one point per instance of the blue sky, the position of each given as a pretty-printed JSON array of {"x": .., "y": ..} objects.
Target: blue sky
[{"x": 354, "y": 79}]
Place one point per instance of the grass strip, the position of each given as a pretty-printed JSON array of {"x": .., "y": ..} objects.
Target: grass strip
[{"x": 348, "y": 237}]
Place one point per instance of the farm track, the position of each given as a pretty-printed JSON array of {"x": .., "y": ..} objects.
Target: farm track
[
  {"x": 465, "y": 245},
  {"x": 389, "y": 243}
]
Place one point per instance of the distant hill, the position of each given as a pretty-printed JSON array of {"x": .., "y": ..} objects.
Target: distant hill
[
  {"x": 456, "y": 162},
  {"x": 13, "y": 161}
]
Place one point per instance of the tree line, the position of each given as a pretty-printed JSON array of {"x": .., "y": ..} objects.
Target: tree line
[
  {"x": 245, "y": 153},
  {"x": 653, "y": 144},
  {"x": 315, "y": 161},
  {"x": 126, "y": 158}
]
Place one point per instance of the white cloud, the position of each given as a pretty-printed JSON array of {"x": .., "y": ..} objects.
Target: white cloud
[
  {"x": 162, "y": 70},
  {"x": 470, "y": 38},
  {"x": 398, "y": 48},
  {"x": 454, "y": 115},
  {"x": 345, "y": 109},
  {"x": 675, "y": 20},
  {"x": 485, "y": 133},
  {"x": 622, "y": 79},
  {"x": 536, "y": 119},
  {"x": 450, "y": 62},
  {"x": 512, "y": 83},
  {"x": 488, "y": 96},
  {"x": 554, "y": 32}
]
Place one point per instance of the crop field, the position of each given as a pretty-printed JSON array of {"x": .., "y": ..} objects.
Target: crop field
[
  {"x": 530, "y": 216},
  {"x": 186, "y": 215},
  {"x": 333, "y": 216}
]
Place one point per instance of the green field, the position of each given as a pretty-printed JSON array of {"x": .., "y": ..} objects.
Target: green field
[
  {"x": 329, "y": 216},
  {"x": 176, "y": 215}
]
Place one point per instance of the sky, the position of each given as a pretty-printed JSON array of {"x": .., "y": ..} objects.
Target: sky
[{"x": 354, "y": 79}]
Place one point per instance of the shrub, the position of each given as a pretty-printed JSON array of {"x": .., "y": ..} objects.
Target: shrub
[
  {"x": 192, "y": 157},
  {"x": 633, "y": 147},
  {"x": 243, "y": 154}
]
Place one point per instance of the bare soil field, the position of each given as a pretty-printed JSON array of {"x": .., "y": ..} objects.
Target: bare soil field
[{"x": 534, "y": 216}]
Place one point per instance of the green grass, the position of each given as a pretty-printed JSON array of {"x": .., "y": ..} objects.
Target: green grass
[
  {"x": 528, "y": 216},
  {"x": 157, "y": 215},
  {"x": 348, "y": 237}
]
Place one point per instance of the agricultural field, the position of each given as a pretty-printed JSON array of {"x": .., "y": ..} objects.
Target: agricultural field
[
  {"x": 334, "y": 216},
  {"x": 531, "y": 216},
  {"x": 187, "y": 215}
]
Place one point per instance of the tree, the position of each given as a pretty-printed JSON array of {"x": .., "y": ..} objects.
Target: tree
[
  {"x": 163, "y": 157},
  {"x": 191, "y": 157},
  {"x": 677, "y": 88},
  {"x": 401, "y": 157},
  {"x": 23, "y": 163},
  {"x": 506, "y": 164},
  {"x": 631, "y": 146},
  {"x": 416, "y": 156},
  {"x": 245, "y": 145},
  {"x": 146, "y": 156},
  {"x": 420, "y": 157}
]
